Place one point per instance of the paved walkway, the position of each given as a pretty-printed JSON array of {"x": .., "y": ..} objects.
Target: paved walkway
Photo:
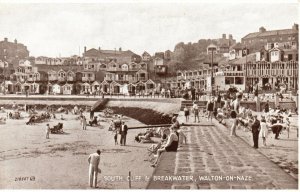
[{"x": 218, "y": 161}]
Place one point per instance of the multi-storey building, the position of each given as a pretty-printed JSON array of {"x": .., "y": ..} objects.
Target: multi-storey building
[
  {"x": 12, "y": 52},
  {"x": 283, "y": 39}
]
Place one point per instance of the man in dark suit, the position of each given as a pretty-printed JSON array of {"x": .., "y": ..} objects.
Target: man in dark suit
[
  {"x": 255, "y": 130},
  {"x": 123, "y": 132}
]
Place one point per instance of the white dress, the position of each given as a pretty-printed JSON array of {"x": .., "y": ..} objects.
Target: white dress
[{"x": 263, "y": 129}]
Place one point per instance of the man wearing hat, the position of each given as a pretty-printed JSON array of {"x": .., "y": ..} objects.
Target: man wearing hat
[{"x": 255, "y": 126}]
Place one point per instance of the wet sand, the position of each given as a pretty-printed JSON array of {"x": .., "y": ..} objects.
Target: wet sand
[{"x": 61, "y": 161}]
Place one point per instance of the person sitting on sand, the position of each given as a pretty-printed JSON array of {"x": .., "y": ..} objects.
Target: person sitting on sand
[
  {"x": 31, "y": 120},
  {"x": 164, "y": 138},
  {"x": 94, "y": 122},
  {"x": 75, "y": 110},
  {"x": 146, "y": 137},
  {"x": 60, "y": 109},
  {"x": 171, "y": 145},
  {"x": 277, "y": 128},
  {"x": 221, "y": 115},
  {"x": 175, "y": 122},
  {"x": 2, "y": 120}
]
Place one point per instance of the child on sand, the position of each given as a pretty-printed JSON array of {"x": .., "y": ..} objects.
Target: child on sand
[
  {"x": 47, "y": 131},
  {"x": 186, "y": 113}
]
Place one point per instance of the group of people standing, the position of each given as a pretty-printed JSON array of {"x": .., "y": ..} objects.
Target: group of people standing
[{"x": 119, "y": 128}]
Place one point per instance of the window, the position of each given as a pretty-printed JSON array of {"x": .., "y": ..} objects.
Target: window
[
  {"x": 229, "y": 80},
  {"x": 239, "y": 80}
]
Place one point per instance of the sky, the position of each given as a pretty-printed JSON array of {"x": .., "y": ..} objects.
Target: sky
[{"x": 63, "y": 29}]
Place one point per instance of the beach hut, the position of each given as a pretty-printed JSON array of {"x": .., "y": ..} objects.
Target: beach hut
[
  {"x": 18, "y": 87},
  {"x": 8, "y": 86},
  {"x": 150, "y": 85},
  {"x": 140, "y": 87},
  {"x": 67, "y": 89},
  {"x": 124, "y": 89},
  {"x": 56, "y": 89},
  {"x": 34, "y": 88},
  {"x": 131, "y": 88},
  {"x": 95, "y": 86},
  {"x": 25, "y": 87},
  {"x": 105, "y": 86},
  {"x": 85, "y": 88},
  {"x": 49, "y": 88},
  {"x": 115, "y": 87}
]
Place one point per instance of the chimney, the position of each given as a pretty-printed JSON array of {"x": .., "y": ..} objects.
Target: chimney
[
  {"x": 120, "y": 49},
  {"x": 84, "y": 49},
  {"x": 295, "y": 27},
  {"x": 99, "y": 48},
  {"x": 230, "y": 36},
  {"x": 224, "y": 36},
  {"x": 16, "y": 41},
  {"x": 262, "y": 29},
  {"x": 5, "y": 39}
]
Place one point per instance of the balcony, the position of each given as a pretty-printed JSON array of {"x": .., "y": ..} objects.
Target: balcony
[
  {"x": 90, "y": 79},
  {"x": 142, "y": 79},
  {"x": 70, "y": 78}
]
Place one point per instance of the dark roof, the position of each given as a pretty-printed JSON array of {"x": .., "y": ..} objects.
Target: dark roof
[
  {"x": 107, "y": 53},
  {"x": 250, "y": 58},
  {"x": 46, "y": 68},
  {"x": 237, "y": 46},
  {"x": 272, "y": 32}
]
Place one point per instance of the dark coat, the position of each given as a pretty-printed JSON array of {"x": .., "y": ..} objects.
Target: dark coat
[
  {"x": 255, "y": 126},
  {"x": 125, "y": 130}
]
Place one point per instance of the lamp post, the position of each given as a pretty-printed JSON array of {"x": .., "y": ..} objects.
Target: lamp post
[
  {"x": 212, "y": 48},
  {"x": 4, "y": 74}
]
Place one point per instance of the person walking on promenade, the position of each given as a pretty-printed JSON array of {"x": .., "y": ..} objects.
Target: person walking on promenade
[
  {"x": 264, "y": 130},
  {"x": 193, "y": 93},
  {"x": 84, "y": 122},
  {"x": 210, "y": 109},
  {"x": 124, "y": 129},
  {"x": 234, "y": 113},
  {"x": 92, "y": 114},
  {"x": 267, "y": 107},
  {"x": 47, "y": 131},
  {"x": 255, "y": 130},
  {"x": 186, "y": 113},
  {"x": 94, "y": 161},
  {"x": 196, "y": 112}
]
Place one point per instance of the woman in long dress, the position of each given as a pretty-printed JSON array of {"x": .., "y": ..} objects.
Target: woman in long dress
[
  {"x": 264, "y": 130},
  {"x": 234, "y": 113}
]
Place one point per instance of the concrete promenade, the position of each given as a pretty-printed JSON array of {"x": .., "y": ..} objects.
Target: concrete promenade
[{"x": 218, "y": 161}]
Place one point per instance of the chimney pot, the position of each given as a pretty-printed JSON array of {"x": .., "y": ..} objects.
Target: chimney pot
[
  {"x": 120, "y": 49},
  {"x": 224, "y": 36},
  {"x": 262, "y": 29},
  {"x": 84, "y": 49},
  {"x": 5, "y": 39}
]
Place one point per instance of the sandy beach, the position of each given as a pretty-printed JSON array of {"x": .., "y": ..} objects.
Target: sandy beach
[{"x": 29, "y": 161}]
